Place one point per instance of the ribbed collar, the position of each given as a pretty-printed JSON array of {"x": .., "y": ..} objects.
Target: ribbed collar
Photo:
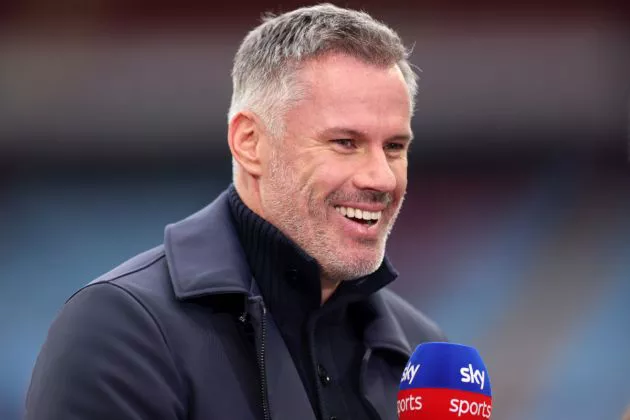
[{"x": 287, "y": 276}]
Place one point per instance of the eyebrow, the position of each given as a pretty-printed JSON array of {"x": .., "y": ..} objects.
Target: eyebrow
[{"x": 350, "y": 132}]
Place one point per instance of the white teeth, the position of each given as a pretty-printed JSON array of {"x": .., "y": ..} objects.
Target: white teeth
[{"x": 358, "y": 213}]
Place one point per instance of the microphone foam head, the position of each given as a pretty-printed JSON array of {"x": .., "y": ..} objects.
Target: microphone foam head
[{"x": 445, "y": 381}]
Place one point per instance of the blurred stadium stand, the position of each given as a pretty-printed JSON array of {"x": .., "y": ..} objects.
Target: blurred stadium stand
[{"x": 515, "y": 235}]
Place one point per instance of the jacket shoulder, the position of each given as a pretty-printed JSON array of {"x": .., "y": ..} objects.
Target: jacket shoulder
[
  {"x": 142, "y": 275},
  {"x": 104, "y": 332},
  {"x": 138, "y": 264},
  {"x": 417, "y": 326}
]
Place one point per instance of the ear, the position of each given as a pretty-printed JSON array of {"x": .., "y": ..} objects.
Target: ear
[{"x": 244, "y": 137}]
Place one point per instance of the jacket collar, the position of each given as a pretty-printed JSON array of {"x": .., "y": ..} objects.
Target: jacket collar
[
  {"x": 383, "y": 330},
  {"x": 204, "y": 254},
  {"x": 205, "y": 257}
]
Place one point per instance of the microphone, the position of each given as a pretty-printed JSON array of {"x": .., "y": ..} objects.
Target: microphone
[{"x": 444, "y": 381}]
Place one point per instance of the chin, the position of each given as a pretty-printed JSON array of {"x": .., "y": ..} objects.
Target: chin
[
  {"x": 348, "y": 261},
  {"x": 369, "y": 255},
  {"x": 358, "y": 267}
]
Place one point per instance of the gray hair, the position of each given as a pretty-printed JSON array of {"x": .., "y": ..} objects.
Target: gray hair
[{"x": 265, "y": 66}]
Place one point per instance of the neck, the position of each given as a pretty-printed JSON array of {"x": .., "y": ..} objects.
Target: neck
[{"x": 248, "y": 190}]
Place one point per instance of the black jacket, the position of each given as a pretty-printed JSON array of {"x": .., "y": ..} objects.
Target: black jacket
[{"x": 181, "y": 332}]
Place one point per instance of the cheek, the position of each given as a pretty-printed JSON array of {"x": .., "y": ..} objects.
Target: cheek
[
  {"x": 326, "y": 175},
  {"x": 400, "y": 172}
]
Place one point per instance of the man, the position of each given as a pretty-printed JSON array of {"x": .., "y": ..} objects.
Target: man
[{"x": 270, "y": 303}]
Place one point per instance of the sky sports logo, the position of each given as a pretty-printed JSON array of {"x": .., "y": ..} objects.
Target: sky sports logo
[
  {"x": 471, "y": 408},
  {"x": 410, "y": 373},
  {"x": 471, "y": 375}
]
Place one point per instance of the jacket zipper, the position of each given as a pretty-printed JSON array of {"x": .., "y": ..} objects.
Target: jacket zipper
[
  {"x": 260, "y": 354},
  {"x": 261, "y": 362}
]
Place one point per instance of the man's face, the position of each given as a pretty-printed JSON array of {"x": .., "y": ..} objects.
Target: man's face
[{"x": 335, "y": 181}]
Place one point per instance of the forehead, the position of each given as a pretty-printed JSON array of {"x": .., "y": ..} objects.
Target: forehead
[{"x": 342, "y": 90}]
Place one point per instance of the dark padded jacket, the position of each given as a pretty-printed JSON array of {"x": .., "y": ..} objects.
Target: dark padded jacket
[{"x": 181, "y": 332}]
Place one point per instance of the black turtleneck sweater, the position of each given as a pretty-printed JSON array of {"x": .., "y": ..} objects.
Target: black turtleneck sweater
[{"x": 325, "y": 341}]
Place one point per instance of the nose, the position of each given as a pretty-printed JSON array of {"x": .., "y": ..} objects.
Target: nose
[{"x": 375, "y": 173}]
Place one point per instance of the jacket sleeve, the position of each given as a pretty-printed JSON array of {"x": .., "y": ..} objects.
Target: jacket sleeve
[{"x": 104, "y": 358}]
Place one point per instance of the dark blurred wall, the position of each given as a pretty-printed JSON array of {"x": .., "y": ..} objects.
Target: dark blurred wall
[{"x": 87, "y": 78}]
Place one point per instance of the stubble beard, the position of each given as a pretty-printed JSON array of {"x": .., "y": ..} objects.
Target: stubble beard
[{"x": 283, "y": 200}]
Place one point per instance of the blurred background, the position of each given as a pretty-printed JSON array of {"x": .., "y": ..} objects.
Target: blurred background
[{"x": 515, "y": 235}]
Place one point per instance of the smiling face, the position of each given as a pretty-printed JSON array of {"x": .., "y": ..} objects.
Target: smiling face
[{"x": 334, "y": 183}]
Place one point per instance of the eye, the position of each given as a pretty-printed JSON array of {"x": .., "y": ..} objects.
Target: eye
[
  {"x": 345, "y": 143},
  {"x": 395, "y": 147}
]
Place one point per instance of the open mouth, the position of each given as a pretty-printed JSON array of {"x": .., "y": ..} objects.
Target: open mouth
[{"x": 363, "y": 217}]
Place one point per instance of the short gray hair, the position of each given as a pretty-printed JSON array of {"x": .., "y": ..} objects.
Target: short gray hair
[{"x": 264, "y": 69}]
